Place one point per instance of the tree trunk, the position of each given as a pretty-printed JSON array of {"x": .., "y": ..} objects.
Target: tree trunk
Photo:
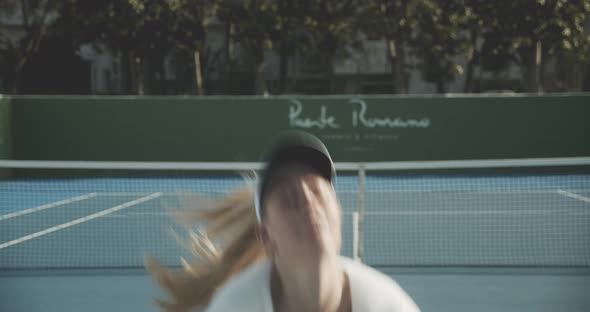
[
  {"x": 544, "y": 83},
  {"x": 138, "y": 61},
  {"x": 260, "y": 79},
  {"x": 440, "y": 86},
  {"x": 402, "y": 82},
  {"x": 397, "y": 61},
  {"x": 531, "y": 70},
  {"x": 14, "y": 86},
  {"x": 198, "y": 73},
  {"x": 283, "y": 68},
  {"x": 228, "y": 57},
  {"x": 153, "y": 72},
  {"x": 21, "y": 62},
  {"x": 132, "y": 73},
  {"x": 330, "y": 72},
  {"x": 470, "y": 68}
]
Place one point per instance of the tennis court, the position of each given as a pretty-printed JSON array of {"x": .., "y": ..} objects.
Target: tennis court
[{"x": 456, "y": 242}]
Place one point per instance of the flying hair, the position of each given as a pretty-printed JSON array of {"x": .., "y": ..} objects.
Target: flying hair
[{"x": 231, "y": 221}]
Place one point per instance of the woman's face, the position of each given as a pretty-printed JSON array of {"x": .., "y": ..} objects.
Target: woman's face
[{"x": 302, "y": 220}]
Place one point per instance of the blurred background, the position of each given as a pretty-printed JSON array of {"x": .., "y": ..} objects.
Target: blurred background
[
  {"x": 229, "y": 47},
  {"x": 457, "y": 128}
]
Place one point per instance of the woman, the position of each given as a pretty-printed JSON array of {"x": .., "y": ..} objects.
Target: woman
[{"x": 295, "y": 235}]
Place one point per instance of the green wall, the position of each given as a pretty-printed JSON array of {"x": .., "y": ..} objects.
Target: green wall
[{"x": 368, "y": 128}]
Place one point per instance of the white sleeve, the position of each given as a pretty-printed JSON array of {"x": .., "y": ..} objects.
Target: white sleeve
[
  {"x": 400, "y": 301},
  {"x": 222, "y": 302},
  {"x": 239, "y": 299},
  {"x": 385, "y": 295},
  {"x": 235, "y": 296},
  {"x": 246, "y": 292},
  {"x": 373, "y": 291}
]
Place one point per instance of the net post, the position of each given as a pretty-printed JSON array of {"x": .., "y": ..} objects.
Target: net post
[
  {"x": 358, "y": 217},
  {"x": 355, "y": 236}
]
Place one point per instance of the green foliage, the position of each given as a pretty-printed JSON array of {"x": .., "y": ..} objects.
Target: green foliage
[
  {"x": 289, "y": 33},
  {"x": 517, "y": 26},
  {"x": 393, "y": 19},
  {"x": 440, "y": 38},
  {"x": 253, "y": 21},
  {"x": 439, "y": 32},
  {"x": 141, "y": 29},
  {"x": 524, "y": 32},
  {"x": 319, "y": 29},
  {"x": 266, "y": 24},
  {"x": 331, "y": 24},
  {"x": 136, "y": 25},
  {"x": 128, "y": 25},
  {"x": 187, "y": 27},
  {"x": 15, "y": 52}
]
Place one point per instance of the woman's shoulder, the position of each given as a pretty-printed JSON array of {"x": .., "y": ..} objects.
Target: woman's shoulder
[
  {"x": 374, "y": 291},
  {"x": 246, "y": 289}
]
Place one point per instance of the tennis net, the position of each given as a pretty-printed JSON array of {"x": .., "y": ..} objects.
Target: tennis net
[{"x": 496, "y": 213}]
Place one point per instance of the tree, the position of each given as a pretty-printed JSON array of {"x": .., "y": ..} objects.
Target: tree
[
  {"x": 145, "y": 31},
  {"x": 439, "y": 40},
  {"x": 331, "y": 27},
  {"x": 187, "y": 30},
  {"x": 288, "y": 36},
  {"x": 526, "y": 31},
  {"x": 131, "y": 27},
  {"x": 15, "y": 53},
  {"x": 474, "y": 13},
  {"x": 324, "y": 30},
  {"x": 393, "y": 21},
  {"x": 469, "y": 29},
  {"x": 251, "y": 22}
]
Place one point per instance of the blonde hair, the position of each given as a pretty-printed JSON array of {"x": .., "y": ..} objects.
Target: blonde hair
[{"x": 232, "y": 221}]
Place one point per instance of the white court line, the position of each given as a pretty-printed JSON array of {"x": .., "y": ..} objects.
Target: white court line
[
  {"x": 47, "y": 206},
  {"x": 174, "y": 193},
  {"x": 465, "y": 192},
  {"x": 80, "y": 220},
  {"x": 140, "y": 214},
  {"x": 462, "y": 212},
  {"x": 124, "y": 193},
  {"x": 574, "y": 196}
]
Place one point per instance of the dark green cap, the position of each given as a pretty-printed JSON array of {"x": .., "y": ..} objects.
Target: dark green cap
[{"x": 289, "y": 148}]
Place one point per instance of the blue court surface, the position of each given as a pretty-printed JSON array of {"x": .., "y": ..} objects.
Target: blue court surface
[{"x": 496, "y": 243}]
